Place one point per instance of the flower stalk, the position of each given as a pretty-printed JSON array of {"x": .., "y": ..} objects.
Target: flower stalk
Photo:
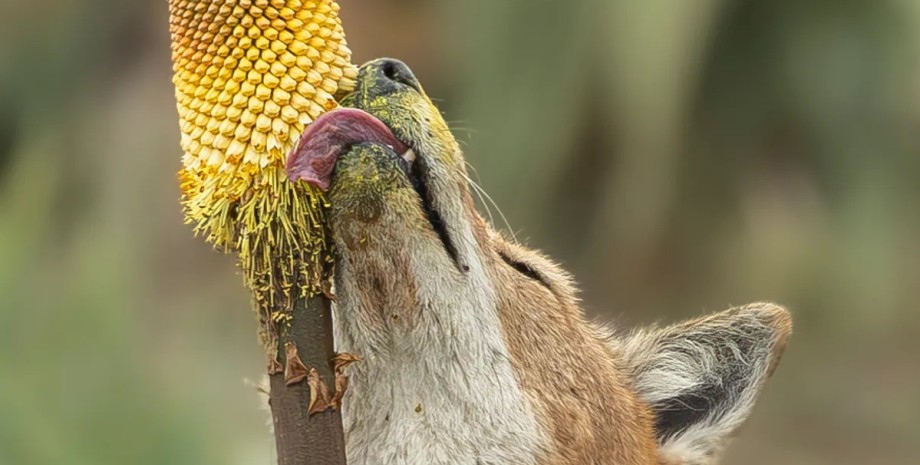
[{"x": 249, "y": 76}]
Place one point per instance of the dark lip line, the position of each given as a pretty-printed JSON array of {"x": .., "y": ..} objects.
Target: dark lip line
[{"x": 418, "y": 175}]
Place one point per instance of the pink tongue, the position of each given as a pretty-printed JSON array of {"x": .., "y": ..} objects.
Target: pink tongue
[{"x": 328, "y": 137}]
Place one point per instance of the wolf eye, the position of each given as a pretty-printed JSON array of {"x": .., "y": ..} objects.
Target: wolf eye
[{"x": 524, "y": 269}]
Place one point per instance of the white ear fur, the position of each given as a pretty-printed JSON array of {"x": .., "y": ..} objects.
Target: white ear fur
[{"x": 701, "y": 377}]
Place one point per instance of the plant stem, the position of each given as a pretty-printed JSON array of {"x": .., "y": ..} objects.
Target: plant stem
[{"x": 301, "y": 438}]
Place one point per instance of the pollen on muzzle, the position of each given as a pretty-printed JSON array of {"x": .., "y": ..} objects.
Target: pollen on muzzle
[{"x": 249, "y": 76}]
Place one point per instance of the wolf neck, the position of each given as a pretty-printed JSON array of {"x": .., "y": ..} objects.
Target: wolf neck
[{"x": 436, "y": 384}]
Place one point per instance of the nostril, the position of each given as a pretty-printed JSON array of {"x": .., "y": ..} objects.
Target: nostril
[
  {"x": 389, "y": 70},
  {"x": 397, "y": 71}
]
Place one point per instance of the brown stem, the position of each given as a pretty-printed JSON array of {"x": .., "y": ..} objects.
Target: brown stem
[{"x": 301, "y": 438}]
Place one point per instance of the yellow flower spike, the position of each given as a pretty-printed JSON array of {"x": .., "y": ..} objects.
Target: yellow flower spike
[{"x": 249, "y": 76}]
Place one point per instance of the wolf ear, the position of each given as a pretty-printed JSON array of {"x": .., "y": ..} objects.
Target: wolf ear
[{"x": 701, "y": 377}]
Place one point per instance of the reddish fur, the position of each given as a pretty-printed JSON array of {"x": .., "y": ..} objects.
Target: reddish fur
[{"x": 571, "y": 375}]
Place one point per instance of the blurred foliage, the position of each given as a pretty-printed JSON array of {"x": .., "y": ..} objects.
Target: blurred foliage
[{"x": 677, "y": 156}]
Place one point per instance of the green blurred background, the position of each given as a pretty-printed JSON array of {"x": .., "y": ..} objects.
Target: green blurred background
[{"x": 678, "y": 156}]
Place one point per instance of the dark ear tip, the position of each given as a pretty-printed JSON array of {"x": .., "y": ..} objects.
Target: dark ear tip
[{"x": 777, "y": 318}]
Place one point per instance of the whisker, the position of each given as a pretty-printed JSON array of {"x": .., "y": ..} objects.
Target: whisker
[
  {"x": 482, "y": 192},
  {"x": 500, "y": 213},
  {"x": 457, "y": 129},
  {"x": 484, "y": 196},
  {"x": 478, "y": 191}
]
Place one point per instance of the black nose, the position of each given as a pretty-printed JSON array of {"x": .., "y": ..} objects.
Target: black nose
[{"x": 395, "y": 71}]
